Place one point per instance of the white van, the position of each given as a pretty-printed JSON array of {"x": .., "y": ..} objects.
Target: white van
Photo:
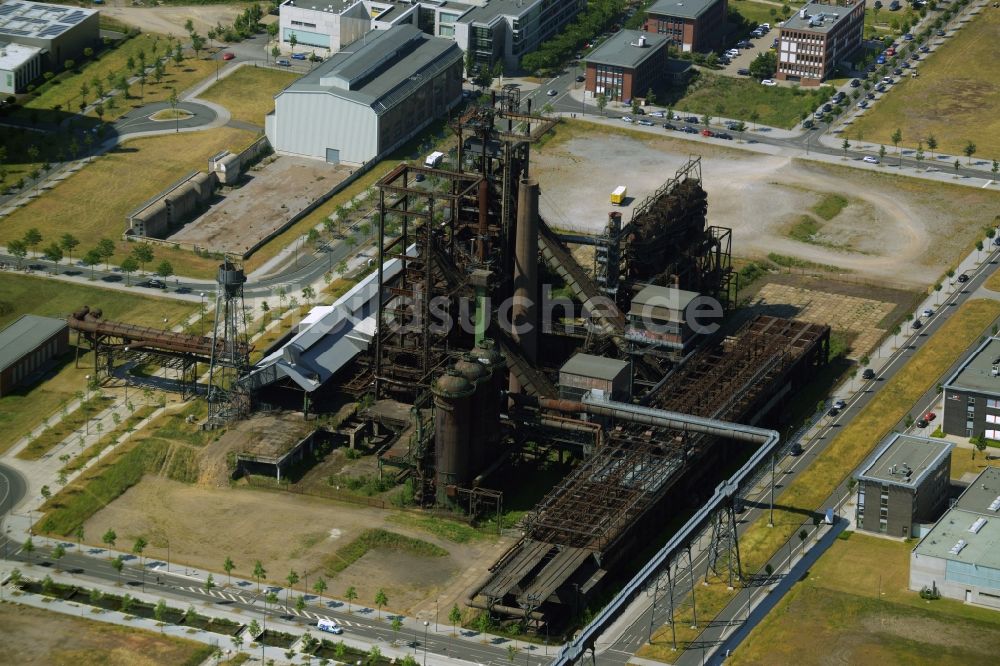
[
  {"x": 329, "y": 626},
  {"x": 433, "y": 160}
]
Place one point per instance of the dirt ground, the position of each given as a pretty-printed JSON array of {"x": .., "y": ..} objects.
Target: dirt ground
[
  {"x": 34, "y": 636},
  {"x": 267, "y": 199},
  {"x": 170, "y": 20},
  {"x": 903, "y": 233},
  {"x": 286, "y": 531}
]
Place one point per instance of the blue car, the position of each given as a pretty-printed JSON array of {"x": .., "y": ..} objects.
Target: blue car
[
  {"x": 298, "y": 56},
  {"x": 880, "y": 60}
]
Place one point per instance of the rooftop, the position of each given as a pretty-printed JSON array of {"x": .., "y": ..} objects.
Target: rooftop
[
  {"x": 21, "y": 18},
  {"x": 978, "y": 372},
  {"x": 818, "y": 17},
  {"x": 332, "y": 6},
  {"x": 13, "y": 56},
  {"x": 964, "y": 536},
  {"x": 982, "y": 493},
  {"x": 680, "y": 8},
  {"x": 25, "y": 334},
  {"x": 627, "y": 48},
  {"x": 904, "y": 460},
  {"x": 662, "y": 297},
  {"x": 381, "y": 67},
  {"x": 598, "y": 367},
  {"x": 492, "y": 10}
]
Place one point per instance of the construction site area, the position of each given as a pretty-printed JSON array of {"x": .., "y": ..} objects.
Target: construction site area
[{"x": 522, "y": 425}]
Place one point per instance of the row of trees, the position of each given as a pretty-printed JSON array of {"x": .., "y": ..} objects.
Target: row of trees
[
  {"x": 141, "y": 255},
  {"x": 599, "y": 16}
]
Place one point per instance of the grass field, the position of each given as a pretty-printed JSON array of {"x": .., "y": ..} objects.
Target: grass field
[
  {"x": 446, "y": 529},
  {"x": 91, "y": 452},
  {"x": 249, "y": 92},
  {"x": 837, "y": 614},
  {"x": 72, "y": 422},
  {"x": 993, "y": 282},
  {"x": 962, "y": 462},
  {"x": 957, "y": 103},
  {"x": 92, "y": 204},
  {"x": 35, "y": 636},
  {"x": 758, "y": 12},
  {"x": 373, "y": 539},
  {"x": 843, "y": 454},
  {"x": 731, "y": 97},
  {"x": 25, "y": 408}
]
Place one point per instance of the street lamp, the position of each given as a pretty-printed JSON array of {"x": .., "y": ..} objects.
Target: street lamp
[
  {"x": 202, "y": 326},
  {"x": 168, "y": 553},
  {"x": 125, "y": 373},
  {"x": 426, "y": 624},
  {"x": 86, "y": 399}
]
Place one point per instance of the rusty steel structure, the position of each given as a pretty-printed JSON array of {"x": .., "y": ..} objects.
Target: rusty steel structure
[
  {"x": 595, "y": 516},
  {"x": 229, "y": 361}
]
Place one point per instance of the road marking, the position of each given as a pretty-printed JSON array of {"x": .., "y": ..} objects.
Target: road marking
[{"x": 988, "y": 183}]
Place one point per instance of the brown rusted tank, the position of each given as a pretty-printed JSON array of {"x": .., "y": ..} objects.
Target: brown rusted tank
[
  {"x": 491, "y": 358},
  {"x": 479, "y": 376},
  {"x": 453, "y": 396}
]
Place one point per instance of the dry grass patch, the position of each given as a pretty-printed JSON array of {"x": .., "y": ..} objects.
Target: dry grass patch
[
  {"x": 92, "y": 204},
  {"x": 249, "y": 92}
]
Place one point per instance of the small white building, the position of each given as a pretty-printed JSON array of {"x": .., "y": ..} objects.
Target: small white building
[
  {"x": 368, "y": 98},
  {"x": 59, "y": 31},
  {"x": 324, "y": 26},
  {"x": 19, "y": 66}
]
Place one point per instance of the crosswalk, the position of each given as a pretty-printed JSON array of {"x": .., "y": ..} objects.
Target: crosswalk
[{"x": 238, "y": 598}]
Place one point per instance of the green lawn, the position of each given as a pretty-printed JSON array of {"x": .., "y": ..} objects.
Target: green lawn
[
  {"x": 760, "y": 12},
  {"x": 950, "y": 100},
  {"x": 848, "y": 448},
  {"x": 838, "y": 611},
  {"x": 27, "y": 407},
  {"x": 249, "y": 92},
  {"x": 731, "y": 97}
]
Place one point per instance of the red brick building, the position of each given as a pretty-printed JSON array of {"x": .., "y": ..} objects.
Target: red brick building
[
  {"x": 818, "y": 38},
  {"x": 627, "y": 65},
  {"x": 692, "y": 25}
]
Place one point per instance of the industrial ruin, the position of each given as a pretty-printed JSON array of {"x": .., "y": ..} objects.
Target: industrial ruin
[{"x": 478, "y": 339}]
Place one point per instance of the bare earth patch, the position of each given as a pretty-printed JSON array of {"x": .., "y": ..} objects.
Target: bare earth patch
[{"x": 902, "y": 232}]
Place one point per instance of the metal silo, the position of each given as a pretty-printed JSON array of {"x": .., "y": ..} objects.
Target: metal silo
[
  {"x": 491, "y": 358},
  {"x": 452, "y": 412},
  {"x": 479, "y": 376}
]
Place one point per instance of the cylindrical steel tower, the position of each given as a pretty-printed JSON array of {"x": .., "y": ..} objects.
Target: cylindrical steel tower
[
  {"x": 491, "y": 358},
  {"x": 524, "y": 314},
  {"x": 477, "y": 375},
  {"x": 452, "y": 412}
]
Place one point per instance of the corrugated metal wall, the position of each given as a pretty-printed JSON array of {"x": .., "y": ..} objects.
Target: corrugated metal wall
[{"x": 307, "y": 123}]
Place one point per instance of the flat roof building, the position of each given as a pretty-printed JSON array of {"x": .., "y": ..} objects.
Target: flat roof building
[
  {"x": 692, "y": 25},
  {"x": 27, "y": 345},
  {"x": 817, "y": 38},
  {"x": 60, "y": 31},
  {"x": 586, "y": 372},
  {"x": 19, "y": 66},
  {"x": 658, "y": 317},
  {"x": 905, "y": 481},
  {"x": 960, "y": 556},
  {"x": 627, "y": 65},
  {"x": 972, "y": 395}
]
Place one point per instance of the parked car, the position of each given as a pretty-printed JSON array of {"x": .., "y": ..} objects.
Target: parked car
[
  {"x": 869, "y": 95},
  {"x": 723, "y": 135},
  {"x": 689, "y": 130},
  {"x": 963, "y": 278},
  {"x": 917, "y": 324},
  {"x": 921, "y": 423},
  {"x": 691, "y": 119},
  {"x": 827, "y": 108},
  {"x": 855, "y": 83},
  {"x": 281, "y": 62},
  {"x": 833, "y": 412},
  {"x": 645, "y": 121},
  {"x": 658, "y": 114},
  {"x": 627, "y": 119},
  {"x": 707, "y": 132},
  {"x": 743, "y": 71},
  {"x": 930, "y": 416},
  {"x": 908, "y": 37},
  {"x": 840, "y": 404},
  {"x": 940, "y": 33},
  {"x": 870, "y": 159},
  {"x": 552, "y": 92},
  {"x": 928, "y": 312},
  {"x": 924, "y": 49},
  {"x": 228, "y": 55},
  {"x": 868, "y": 374},
  {"x": 898, "y": 71},
  {"x": 298, "y": 56},
  {"x": 808, "y": 123},
  {"x": 581, "y": 78},
  {"x": 669, "y": 126},
  {"x": 768, "y": 82},
  {"x": 796, "y": 449},
  {"x": 863, "y": 104}
]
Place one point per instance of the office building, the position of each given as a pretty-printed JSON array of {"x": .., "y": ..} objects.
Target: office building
[
  {"x": 61, "y": 32},
  {"x": 627, "y": 65},
  {"x": 691, "y": 25},
  {"x": 972, "y": 395},
  {"x": 817, "y": 39},
  {"x": 19, "y": 66}
]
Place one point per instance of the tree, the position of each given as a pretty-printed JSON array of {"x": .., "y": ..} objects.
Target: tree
[
  {"x": 178, "y": 55},
  {"x": 932, "y": 144},
  {"x": 602, "y": 102},
  {"x": 45, "y": 493},
  {"x": 106, "y": 247},
  {"x": 126, "y": 603},
  {"x": 122, "y": 85},
  {"x": 919, "y": 155},
  {"x": 969, "y": 150},
  {"x": 109, "y": 538},
  {"x": 650, "y": 96},
  {"x": 189, "y": 26},
  {"x": 455, "y": 617},
  {"x": 190, "y": 615},
  {"x": 937, "y": 290},
  {"x": 164, "y": 269},
  {"x": 29, "y": 547},
  {"x": 228, "y": 567},
  {"x": 129, "y": 265},
  {"x": 995, "y": 168},
  {"x": 18, "y": 250},
  {"x": 292, "y": 578},
  {"x": 197, "y": 43},
  {"x": 754, "y": 117},
  {"x": 32, "y": 237},
  {"x": 397, "y": 624},
  {"x": 78, "y": 533},
  {"x": 253, "y": 630},
  {"x": 319, "y": 587},
  {"x": 95, "y": 596},
  {"x": 300, "y": 603},
  {"x": 160, "y": 612},
  {"x": 803, "y": 535},
  {"x": 259, "y": 572},
  {"x": 209, "y": 583},
  {"x": 845, "y": 146},
  {"x": 53, "y": 253},
  {"x": 351, "y": 594},
  {"x": 896, "y": 137},
  {"x": 979, "y": 249},
  {"x": 896, "y": 330},
  {"x": 293, "y": 41},
  {"x": 118, "y": 564},
  {"x": 881, "y": 154},
  {"x": 68, "y": 243},
  {"x": 374, "y": 655},
  {"x": 58, "y": 552},
  {"x": 511, "y": 652},
  {"x": 764, "y": 65},
  {"x": 957, "y": 165},
  {"x": 143, "y": 253},
  {"x": 275, "y": 52},
  {"x": 138, "y": 547},
  {"x": 980, "y": 445},
  {"x": 380, "y": 600}
]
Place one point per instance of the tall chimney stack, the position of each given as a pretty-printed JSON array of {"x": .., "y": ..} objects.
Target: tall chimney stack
[{"x": 524, "y": 313}]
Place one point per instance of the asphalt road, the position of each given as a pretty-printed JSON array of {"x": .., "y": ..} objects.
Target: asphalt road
[
  {"x": 140, "y": 120},
  {"x": 12, "y": 488},
  {"x": 362, "y": 624}
]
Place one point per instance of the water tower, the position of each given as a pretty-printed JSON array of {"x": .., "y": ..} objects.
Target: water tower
[{"x": 230, "y": 359}]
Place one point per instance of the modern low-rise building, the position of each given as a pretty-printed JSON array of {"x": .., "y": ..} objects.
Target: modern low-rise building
[
  {"x": 27, "y": 345},
  {"x": 19, "y": 66},
  {"x": 972, "y": 395},
  {"x": 628, "y": 64},
  {"x": 61, "y": 32},
  {"x": 960, "y": 556},
  {"x": 905, "y": 482},
  {"x": 818, "y": 38},
  {"x": 369, "y": 98},
  {"x": 323, "y": 25},
  {"x": 691, "y": 25}
]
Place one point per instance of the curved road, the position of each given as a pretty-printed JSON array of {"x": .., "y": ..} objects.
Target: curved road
[
  {"x": 140, "y": 120},
  {"x": 12, "y": 488}
]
